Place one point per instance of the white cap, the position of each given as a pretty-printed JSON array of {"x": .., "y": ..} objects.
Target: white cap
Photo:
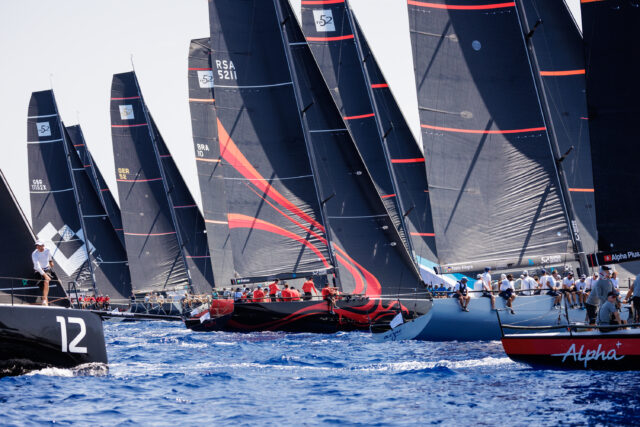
[
  {"x": 503, "y": 276},
  {"x": 39, "y": 243}
]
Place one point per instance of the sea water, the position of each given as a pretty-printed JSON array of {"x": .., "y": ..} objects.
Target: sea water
[{"x": 163, "y": 374}]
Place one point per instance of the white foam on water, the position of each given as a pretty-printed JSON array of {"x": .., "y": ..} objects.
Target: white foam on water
[
  {"x": 88, "y": 369},
  {"x": 53, "y": 372}
]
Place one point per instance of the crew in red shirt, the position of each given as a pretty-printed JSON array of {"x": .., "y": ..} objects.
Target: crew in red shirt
[
  {"x": 309, "y": 289},
  {"x": 328, "y": 294},
  {"x": 286, "y": 293},
  {"x": 258, "y": 295},
  {"x": 273, "y": 289},
  {"x": 295, "y": 295}
]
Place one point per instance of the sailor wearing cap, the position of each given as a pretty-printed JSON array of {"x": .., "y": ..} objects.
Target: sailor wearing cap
[
  {"x": 599, "y": 293},
  {"x": 42, "y": 264},
  {"x": 462, "y": 294},
  {"x": 528, "y": 284},
  {"x": 581, "y": 286}
]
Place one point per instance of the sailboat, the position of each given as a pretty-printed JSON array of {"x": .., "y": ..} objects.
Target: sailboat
[
  {"x": 164, "y": 230},
  {"x": 300, "y": 199},
  {"x": 66, "y": 209},
  {"x": 34, "y": 336}
]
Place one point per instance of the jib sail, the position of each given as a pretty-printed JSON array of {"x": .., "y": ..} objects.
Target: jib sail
[
  {"x": 274, "y": 219},
  {"x": 97, "y": 181},
  {"x": 612, "y": 56},
  {"x": 157, "y": 260},
  {"x": 16, "y": 268},
  {"x": 209, "y": 162},
  {"x": 493, "y": 184},
  {"x": 368, "y": 249}
]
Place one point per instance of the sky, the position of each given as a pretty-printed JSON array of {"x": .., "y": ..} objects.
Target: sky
[{"x": 75, "y": 47}]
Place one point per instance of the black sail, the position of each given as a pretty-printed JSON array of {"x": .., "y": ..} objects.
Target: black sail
[
  {"x": 328, "y": 31},
  {"x": 368, "y": 249},
  {"x": 208, "y": 160},
  {"x": 493, "y": 186},
  {"x": 108, "y": 256},
  {"x": 54, "y": 211},
  {"x": 96, "y": 178},
  {"x": 274, "y": 218},
  {"x": 16, "y": 269},
  {"x": 189, "y": 220},
  {"x": 406, "y": 160},
  {"x": 156, "y": 260},
  {"x": 613, "y": 56}
]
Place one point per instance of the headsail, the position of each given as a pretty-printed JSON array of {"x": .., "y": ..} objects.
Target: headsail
[
  {"x": 367, "y": 247},
  {"x": 154, "y": 247},
  {"x": 86, "y": 229},
  {"x": 493, "y": 184},
  {"x": 329, "y": 33},
  {"x": 54, "y": 210},
  {"x": 613, "y": 57},
  {"x": 97, "y": 181},
  {"x": 274, "y": 217},
  {"x": 208, "y": 159}
]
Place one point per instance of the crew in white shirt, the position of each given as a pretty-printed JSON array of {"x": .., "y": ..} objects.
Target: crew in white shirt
[
  {"x": 42, "y": 264},
  {"x": 614, "y": 279},
  {"x": 568, "y": 289},
  {"x": 528, "y": 284},
  {"x": 507, "y": 291},
  {"x": 581, "y": 296},
  {"x": 549, "y": 284}
]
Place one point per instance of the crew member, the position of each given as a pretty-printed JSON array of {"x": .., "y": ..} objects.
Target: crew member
[
  {"x": 286, "y": 293},
  {"x": 598, "y": 294},
  {"x": 549, "y": 283},
  {"x": 462, "y": 293},
  {"x": 273, "y": 290},
  {"x": 43, "y": 266},
  {"x": 328, "y": 294},
  {"x": 486, "y": 288},
  {"x": 634, "y": 293},
  {"x": 258, "y": 295},
  {"x": 581, "y": 296},
  {"x": 309, "y": 289},
  {"x": 568, "y": 289},
  {"x": 528, "y": 284},
  {"x": 608, "y": 313},
  {"x": 507, "y": 291},
  {"x": 295, "y": 294}
]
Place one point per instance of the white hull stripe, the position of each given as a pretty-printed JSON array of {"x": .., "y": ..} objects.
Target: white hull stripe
[
  {"x": 298, "y": 44},
  {"x": 52, "y": 191},
  {"x": 253, "y": 87},
  {"x": 44, "y": 142}
]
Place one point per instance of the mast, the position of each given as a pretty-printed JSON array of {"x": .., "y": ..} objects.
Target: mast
[
  {"x": 527, "y": 34},
  {"x": 164, "y": 183},
  {"x": 305, "y": 130}
]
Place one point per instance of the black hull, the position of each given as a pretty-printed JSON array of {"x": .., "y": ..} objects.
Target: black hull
[
  {"x": 359, "y": 314},
  {"x": 166, "y": 309},
  {"x": 31, "y": 337}
]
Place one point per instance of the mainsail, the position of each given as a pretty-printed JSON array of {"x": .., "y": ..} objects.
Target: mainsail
[
  {"x": 493, "y": 184},
  {"x": 612, "y": 57},
  {"x": 156, "y": 247},
  {"x": 66, "y": 209},
  {"x": 329, "y": 33},
  {"x": 97, "y": 181},
  {"x": 367, "y": 246},
  {"x": 208, "y": 159},
  {"x": 274, "y": 219}
]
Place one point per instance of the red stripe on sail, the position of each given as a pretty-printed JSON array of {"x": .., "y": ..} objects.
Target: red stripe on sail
[
  {"x": 363, "y": 116},
  {"x": 414, "y": 160},
  {"x": 330, "y": 39},
  {"x": 461, "y": 7},
  {"x": 373, "y": 285},
  {"x": 232, "y": 154},
  {"x": 582, "y": 190},
  {"x": 424, "y": 234},
  {"x": 562, "y": 73},
  {"x": 354, "y": 272},
  {"x": 379, "y": 85},
  {"x": 386, "y": 196},
  {"x": 322, "y": 1},
  {"x": 538, "y": 129},
  {"x": 244, "y": 221}
]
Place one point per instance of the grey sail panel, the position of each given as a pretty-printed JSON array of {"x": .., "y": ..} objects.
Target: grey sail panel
[
  {"x": 369, "y": 251},
  {"x": 273, "y": 210},
  {"x": 97, "y": 180},
  {"x": 189, "y": 221},
  {"x": 155, "y": 258},
  {"x": 406, "y": 160},
  {"x": 493, "y": 187},
  {"x": 613, "y": 56},
  {"x": 557, "y": 46},
  {"x": 54, "y": 212},
  {"x": 208, "y": 160},
  {"x": 327, "y": 28},
  {"x": 108, "y": 256}
]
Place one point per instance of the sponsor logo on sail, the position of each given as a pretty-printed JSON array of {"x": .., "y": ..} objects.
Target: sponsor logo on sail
[
  {"x": 324, "y": 20},
  {"x": 205, "y": 78},
  {"x": 622, "y": 256},
  {"x": 126, "y": 112},
  {"x": 43, "y": 129},
  {"x": 588, "y": 355},
  {"x": 70, "y": 264}
]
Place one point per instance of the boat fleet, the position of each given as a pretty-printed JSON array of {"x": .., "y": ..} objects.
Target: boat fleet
[{"x": 308, "y": 171}]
